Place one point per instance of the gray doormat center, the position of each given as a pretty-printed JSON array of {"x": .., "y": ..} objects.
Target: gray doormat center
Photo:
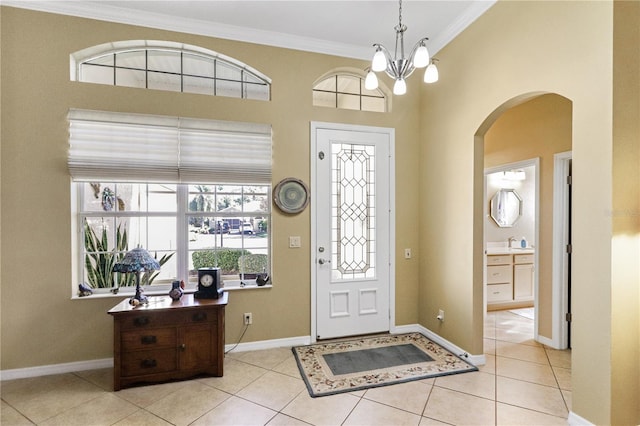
[
  {"x": 356, "y": 364},
  {"x": 374, "y": 359}
]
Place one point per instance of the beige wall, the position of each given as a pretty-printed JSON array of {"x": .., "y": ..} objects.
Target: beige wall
[
  {"x": 538, "y": 128},
  {"x": 625, "y": 247},
  {"x": 41, "y": 325},
  {"x": 515, "y": 51}
]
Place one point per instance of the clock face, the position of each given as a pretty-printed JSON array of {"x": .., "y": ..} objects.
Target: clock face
[{"x": 206, "y": 280}]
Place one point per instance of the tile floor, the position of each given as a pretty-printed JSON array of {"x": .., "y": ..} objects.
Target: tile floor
[{"x": 523, "y": 383}]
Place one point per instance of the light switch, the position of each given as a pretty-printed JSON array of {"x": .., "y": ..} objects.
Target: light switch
[{"x": 294, "y": 242}]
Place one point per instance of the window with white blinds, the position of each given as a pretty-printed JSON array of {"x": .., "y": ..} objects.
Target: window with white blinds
[{"x": 123, "y": 147}]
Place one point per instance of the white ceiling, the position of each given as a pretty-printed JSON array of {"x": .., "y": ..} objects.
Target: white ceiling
[{"x": 343, "y": 28}]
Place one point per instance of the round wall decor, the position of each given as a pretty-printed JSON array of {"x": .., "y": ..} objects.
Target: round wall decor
[{"x": 291, "y": 195}]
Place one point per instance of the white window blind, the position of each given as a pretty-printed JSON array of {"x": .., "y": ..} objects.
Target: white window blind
[{"x": 121, "y": 147}]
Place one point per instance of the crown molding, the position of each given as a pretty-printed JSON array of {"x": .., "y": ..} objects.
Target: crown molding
[{"x": 95, "y": 10}]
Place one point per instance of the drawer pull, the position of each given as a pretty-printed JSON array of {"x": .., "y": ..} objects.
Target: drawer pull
[
  {"x": 148, "y": 363},
  {"x": 183, "y": 347},
  {"x": 141, "y": 321},
  {"x": 200, "y": 316},
  {"x": 496, "y": 292},
  {"x": 148, "y": 340}
]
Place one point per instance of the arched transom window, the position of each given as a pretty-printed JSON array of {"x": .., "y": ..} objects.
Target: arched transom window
[
  {"x": 346, "y": 91},
  {"x": 170, "y": 66}
]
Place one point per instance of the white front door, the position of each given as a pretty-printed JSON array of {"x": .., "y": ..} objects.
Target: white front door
[{"x": 351, "y": 233}]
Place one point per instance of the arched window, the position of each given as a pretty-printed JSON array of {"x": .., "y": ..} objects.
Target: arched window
[
  {"x": 345, "y": 90},
  {"x": 171, "y": 66}
]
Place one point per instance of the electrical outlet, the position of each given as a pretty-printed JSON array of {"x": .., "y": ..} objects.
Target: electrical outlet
[
  {"x": 248, "y": 318},
  {"x": 440, "y": 316},
  {"x": 407, "y": 253}
]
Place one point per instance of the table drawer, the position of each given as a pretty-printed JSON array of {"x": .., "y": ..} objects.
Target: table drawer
[
  {"x": 139, "y": 363},
  {"x": 499, "y": 274},
  {"x": 145, "y": 320},
  {"x": 148, "y": 338},
  {"x": 502, "y": 259},
  {"x": 523, "y": 258},
  {"x": 499, "y": 292}
]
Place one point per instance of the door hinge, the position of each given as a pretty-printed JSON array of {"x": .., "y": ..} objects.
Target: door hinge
[
  {"x": 568, "y": 317},
  {"x": 569, "y": 249},
  {"x": 569, "y": 180}
]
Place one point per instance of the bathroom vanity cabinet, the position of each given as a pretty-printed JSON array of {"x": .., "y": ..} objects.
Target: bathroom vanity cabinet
[{"x": 510, "y": 280}]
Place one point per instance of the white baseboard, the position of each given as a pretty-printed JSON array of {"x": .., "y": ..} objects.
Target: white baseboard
[
  {"x": 270, "y": 344},
  {"x": 47, "y": 370},
  {"x": 576, "y": 420},
  {"x": 417, "y": 328}
]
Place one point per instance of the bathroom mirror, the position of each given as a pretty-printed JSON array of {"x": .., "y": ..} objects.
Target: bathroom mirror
[{"x": 506, "y": 207}]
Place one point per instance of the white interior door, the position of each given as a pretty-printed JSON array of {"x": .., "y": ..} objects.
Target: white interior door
[{"x": 352, "y": 242}]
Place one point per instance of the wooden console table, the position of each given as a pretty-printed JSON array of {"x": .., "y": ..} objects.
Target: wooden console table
[{"x": 167, "y": 340}]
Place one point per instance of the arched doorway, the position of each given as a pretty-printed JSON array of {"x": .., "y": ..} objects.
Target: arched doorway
[{"x": 534, "y": 125}]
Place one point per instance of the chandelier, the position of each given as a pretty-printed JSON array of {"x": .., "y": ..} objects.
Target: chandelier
[{"x": 399, "y": 67}]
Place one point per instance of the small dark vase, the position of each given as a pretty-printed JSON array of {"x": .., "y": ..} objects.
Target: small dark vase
[{"x": 176, "y": 291}]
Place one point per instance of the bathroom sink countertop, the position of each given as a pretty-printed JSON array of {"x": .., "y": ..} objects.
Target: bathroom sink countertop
[{"x": 507, "y": 250}]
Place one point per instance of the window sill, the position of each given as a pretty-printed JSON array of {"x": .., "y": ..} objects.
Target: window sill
[{"x": 229, "y": 286}]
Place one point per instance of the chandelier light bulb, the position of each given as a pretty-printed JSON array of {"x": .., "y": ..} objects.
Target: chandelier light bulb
[
  {"x": 371, "y": 82},
  {"x": 397, "y": 65},
  {"x": 400, "y": 87},
  {"x": 379, "y": 62},
  {"x": 431, "y": 73},
  {"x": 421, "y": 58}
]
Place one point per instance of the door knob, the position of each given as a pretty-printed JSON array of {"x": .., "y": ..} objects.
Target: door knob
[{"x": 323, "y": 261}]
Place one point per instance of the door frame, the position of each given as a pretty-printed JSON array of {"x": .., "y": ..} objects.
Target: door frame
[
  {"x": 560, "y": 277},
  {"x": 315, "y": 126},
  {"x": 535, "y": 163}
]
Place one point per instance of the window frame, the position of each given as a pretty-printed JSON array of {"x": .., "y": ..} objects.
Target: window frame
[
  {"x": 349, "y": 73},
  {"x": 182, "y": 234},
  {"x": 248, "y": 75}
]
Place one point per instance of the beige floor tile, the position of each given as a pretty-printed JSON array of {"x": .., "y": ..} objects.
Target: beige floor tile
[
  {"x": 325, "y": 410},
  {"x": 104, "y": 410},
  {"x": 143, "y": 396},
  {"x": 102, "y": 378},
  {"x": 289, "y": 367},
  {"x": 559, "y": 358},
  {"x": 188, "y": 403},
  {"x": 563, "y": 376},
  {"x": 545, "y": 399},
  {"x": 489, "y": 346},
  {"x": 509, "y": 415},
  {"x": 284, "y": 420},
  {"x": 459, "y": 408},
  {"x": 524, "y": 370},
  {"x": 475, "y": 383},
  {"x": 522, "y": 352},
  {"x": 237, "y": 375},
  {"x": 273, "y": 390},
  {"x": 142, "y": 418},
  {"x": 267, "y": 358},
  {"x": 372, "y": 413},
  {"x": 516, "y": 336},
  {"x": 490, "y": 333},
  {"x": 236, "y": 411},
  {"x": 40, "y": 398},
  {"x": 426, "y": 421},
  {"x": 567, "y": 398},
  {"x": 10, "y": 416},
  {"x": 490, "y": 364},
  {"x": 410, "y": 396}
]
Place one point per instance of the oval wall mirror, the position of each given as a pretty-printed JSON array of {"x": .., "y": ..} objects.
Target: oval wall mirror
[{"x": 506, "y": 207}]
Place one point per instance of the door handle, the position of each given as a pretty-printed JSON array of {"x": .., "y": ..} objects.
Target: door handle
[{"x": 323, "y": 261}]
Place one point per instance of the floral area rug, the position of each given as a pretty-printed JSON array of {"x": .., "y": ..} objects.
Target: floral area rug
[{"x": 356, "y": 364}]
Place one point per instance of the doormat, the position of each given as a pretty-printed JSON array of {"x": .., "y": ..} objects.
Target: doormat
[{"x": 356, "y": 364}]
